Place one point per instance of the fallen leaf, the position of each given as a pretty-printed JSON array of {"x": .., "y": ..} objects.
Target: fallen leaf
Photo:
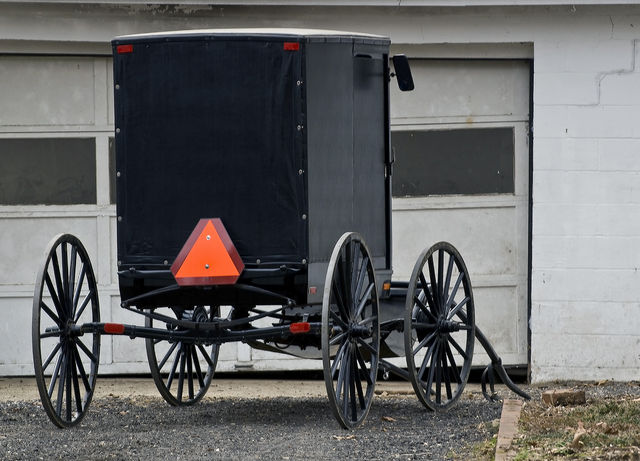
[
  {"x": 388, "y": 419},
  {"x": 579, "y": 434},
  {"x": 345, "y": 437}
]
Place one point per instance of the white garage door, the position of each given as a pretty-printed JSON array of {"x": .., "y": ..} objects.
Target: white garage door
[{"x": 461, "y": 175}]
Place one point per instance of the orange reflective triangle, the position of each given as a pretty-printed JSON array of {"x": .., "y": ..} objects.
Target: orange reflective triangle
[{"x": 208, "y": 257}]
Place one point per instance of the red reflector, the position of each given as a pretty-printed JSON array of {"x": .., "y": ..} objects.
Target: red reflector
[
  {"x": 300, "y": 327},
  {"x": 114, "y": 328},
  {"x": 123, "y": 49},
  {"x": 291, "y": 46}
]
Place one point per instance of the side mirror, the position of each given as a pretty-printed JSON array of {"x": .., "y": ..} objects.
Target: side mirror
[{"x": 403, "y": 72}]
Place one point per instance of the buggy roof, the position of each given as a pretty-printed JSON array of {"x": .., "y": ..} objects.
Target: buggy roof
[{"x": 308, "y": 35}]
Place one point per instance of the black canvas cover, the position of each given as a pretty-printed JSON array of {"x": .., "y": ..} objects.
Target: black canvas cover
[{"x": 208, "y": 128}]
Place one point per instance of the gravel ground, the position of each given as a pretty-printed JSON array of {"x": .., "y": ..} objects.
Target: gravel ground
[{"x": 272, "y": 428}]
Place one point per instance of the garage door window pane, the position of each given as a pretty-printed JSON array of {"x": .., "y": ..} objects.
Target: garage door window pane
[
  {"x": 60, "y": 171},
  {"x": 458, "y": 161}
]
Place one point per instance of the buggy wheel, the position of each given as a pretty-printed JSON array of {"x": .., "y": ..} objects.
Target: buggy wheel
[
  {"x": 65, "y": 297},
  {"x": 439, "y": 326},
  {"x": 350, "y": 331},
  {"x": 182, "y": 370}
]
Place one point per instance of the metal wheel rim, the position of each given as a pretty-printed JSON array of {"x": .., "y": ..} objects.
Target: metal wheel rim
[
  {"x": 436, "y": 372},
  {"x": 181, "y": 363},
  {"x": 360, "y": 360},
  {"x": 65, "y": 295}
]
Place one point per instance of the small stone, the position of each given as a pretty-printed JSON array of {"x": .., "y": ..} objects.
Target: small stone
[{"x": 564, "y": 397}]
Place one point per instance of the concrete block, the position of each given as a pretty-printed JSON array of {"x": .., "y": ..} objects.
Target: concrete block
[
  {"x": 550, "y": 121},
  {"x": 563, "y": 397},
  {"x": 586, "y": 285},
  {"x": 620, "y": 89},
  {"x": 619, "y": 154},
  {"x": 581, "y": 317},
  {"x": 566, "y": 154},
  {"x": 603, "y": 121},
  {"x": 560, "y": 88}
]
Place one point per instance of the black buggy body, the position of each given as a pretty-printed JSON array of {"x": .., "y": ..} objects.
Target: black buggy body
[{"x": 283, "y": 135}]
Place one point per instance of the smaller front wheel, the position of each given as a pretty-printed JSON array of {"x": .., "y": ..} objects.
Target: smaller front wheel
[
  {"x": 350, "y": 331},
  {"x": 182, "y": 370},
  {"x": 439, "y": 326}
]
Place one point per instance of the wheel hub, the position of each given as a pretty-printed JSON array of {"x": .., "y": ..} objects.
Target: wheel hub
[{"x": 446, "y": 326}]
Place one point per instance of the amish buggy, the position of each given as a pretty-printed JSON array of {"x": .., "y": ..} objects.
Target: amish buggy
[{"x": 250, "y": 167}]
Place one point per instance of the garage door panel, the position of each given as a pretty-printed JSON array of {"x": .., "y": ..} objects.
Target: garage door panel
[
  {"x": 24, "y": 241},
  {"x": 467, "y": 230},
  {"x": 18, "y": 350},
  {"x": 46, "y": 91},
  {"x": 497, "y": 318},
  {"x": 463, "y": 88}
]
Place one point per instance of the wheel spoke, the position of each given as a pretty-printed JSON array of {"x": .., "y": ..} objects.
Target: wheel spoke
[
  {"x": 452, "y": 296},
  {"x": 334, "y": 315},
  {"x": 336, "y": 339},
  {"x": 436, "y": 357},
  {"x": 424, "y": 342},
  {"x": 174, "y": 367},
  {"x": 206, "y": 356},
  {"x": 65, "y": 274},
  {"x": 345, "y": 384},
  {"x": 434, "y": 285},
  {"x": 454, "y": 367},
  {"x": 86, "y": 350},
  {"x": 363, "y": 367},
  {"x": 338, "y": 358},
  {"x": 69, "y": 385},
  {"x": 362, "y": 272},
  {"x": 76, "y": 296},
  {"x": 447, "y": 280},
  {"x": 424, "y": 308},
  {"x": 50, "y": 313},
  {"x": 458, "y": 348},
  {"x": 365, "y": 300},
  {"x": 352, "y": 388},
  {"x": 337, "y": 290},
  {"x": 190, "y": 371},
  {"x": 457, "y": 308},
  {"x": 341, "y": 371},
  {"x": 60, "y": 292},
  {"x": 72, "y": 277},
  {"x": 425, "y": 361},
  {"x": 183, "y": 353},
  {"x": 432, "y": 370},
  {"x": 76, "y": 387},
  {"x": 54, "y": 296},
  {"x": 167, "y": 355},
  {"x": 196, "y": 365},
  {"x": 84, "y": 304},
  {"x": 440, "y": 294},
  {"x": 445, "y": 371},
  {"x": 51, "y": 356},
  {"x": 369, "y": 347},
  {"x": 83, "y": 373},
  {"x": 61, "y": 380},
  {"x": 56, "y": 374}
]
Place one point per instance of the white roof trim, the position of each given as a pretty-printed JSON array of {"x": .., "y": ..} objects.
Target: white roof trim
[{"x": 256, "y": 31}]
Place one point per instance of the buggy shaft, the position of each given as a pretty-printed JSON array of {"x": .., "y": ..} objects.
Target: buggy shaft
[{"x": 195, "y": 335}]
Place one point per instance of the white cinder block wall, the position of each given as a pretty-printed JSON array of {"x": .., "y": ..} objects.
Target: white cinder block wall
[{"x": 585, "y": 283}]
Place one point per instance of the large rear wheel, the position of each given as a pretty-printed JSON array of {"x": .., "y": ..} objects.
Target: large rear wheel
[
  {"x": 350, "y": 331},
  {"x": 65, "y": 359}
]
